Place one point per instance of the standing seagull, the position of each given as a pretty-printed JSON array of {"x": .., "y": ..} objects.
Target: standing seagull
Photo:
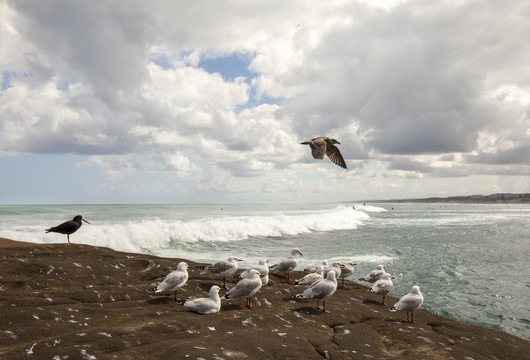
[
  {"x": 68, "y": 227},
  {"x": 174, "y": 280},
  {"x": 374, "y": 275},
  {"x": 347, "y": 270},
  {"x": 336, "y": 266},
  {"x": 323, "y": 145},
  {"x": 321, "y": 290},
  {"x": 246, "y": 287},
  {"x": 383, "y": 286},
  {"x": 222, "y": 268},
  {"x": 310, "y": 278},
  {"x": 263, "y": 269},
  {"x": 209, "y": 305},
  {"x": 288, "y": 264},
  {"x": 410, "y": 302}
]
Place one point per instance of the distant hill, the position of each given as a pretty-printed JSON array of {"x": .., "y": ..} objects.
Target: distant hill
[{"x": 476, "y": 199}]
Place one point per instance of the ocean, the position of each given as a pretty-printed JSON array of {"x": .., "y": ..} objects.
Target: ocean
[{"x": 470, "y": 261}]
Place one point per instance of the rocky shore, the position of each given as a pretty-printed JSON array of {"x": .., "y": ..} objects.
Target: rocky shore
[{"x": 60, "y": 301}]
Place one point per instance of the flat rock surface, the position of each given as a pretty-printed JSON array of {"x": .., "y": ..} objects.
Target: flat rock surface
[{"x": 60, "y": 301}]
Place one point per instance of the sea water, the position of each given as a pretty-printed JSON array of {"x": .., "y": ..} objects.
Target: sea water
[{"x": 470, "y": 261}]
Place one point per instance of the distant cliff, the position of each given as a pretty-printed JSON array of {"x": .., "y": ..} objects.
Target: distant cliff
[{"x": 475, "y": 199}]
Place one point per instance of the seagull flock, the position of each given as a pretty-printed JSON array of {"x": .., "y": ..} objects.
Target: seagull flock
[{"x": 321, "y": 282}]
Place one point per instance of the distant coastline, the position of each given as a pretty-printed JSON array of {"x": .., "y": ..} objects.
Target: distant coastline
[{"x": 500, "y": 198}]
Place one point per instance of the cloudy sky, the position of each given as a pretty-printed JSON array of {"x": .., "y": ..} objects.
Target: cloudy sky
[{"x": 207, "y": 101}]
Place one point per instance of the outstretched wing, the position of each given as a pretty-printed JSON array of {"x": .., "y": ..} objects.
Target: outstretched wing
[
  {"x": 335, "y": 156},
  {"x": 318, "y": 149}
]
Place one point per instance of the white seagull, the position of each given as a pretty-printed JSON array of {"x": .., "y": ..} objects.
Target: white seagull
[
  {"x": 383, "y": 286},
  {"x": 321, "y": 290},
  {"x": 335, "y": 266},
  {"x": 410, "y": 302},
  {"x": 174, "y": 280},
  {"x": 222, "y": 268},
  {"x": 347, "y": 270},
  {"x": 310, "y": 278},
  {"x": 288, "y": 264},
  {"x": 312, "y": 269},
  {"x": 323, "y": 145},
  {"x": 263, "y": 269},
  {"x": 374, "y": 275},
  {"x": 246, "y": 287},
  {"x": 209, "y": 305}
]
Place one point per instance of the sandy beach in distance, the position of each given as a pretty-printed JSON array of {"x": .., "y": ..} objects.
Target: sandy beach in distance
[{"x": 74, "y": 301}]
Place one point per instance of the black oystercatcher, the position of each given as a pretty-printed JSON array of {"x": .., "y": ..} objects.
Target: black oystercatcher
[
  {"x": 68, "y": 227},
  {"x": 323, "y": 145}
]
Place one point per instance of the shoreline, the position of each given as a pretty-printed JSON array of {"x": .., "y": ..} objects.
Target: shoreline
[
  {"x": 81, "y": 301},
  {"x": 477, "y": 199}
]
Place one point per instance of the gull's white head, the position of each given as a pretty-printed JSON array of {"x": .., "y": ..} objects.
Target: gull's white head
[
  {"x": 296, "y": 251},
  {"x": 415, "y": 290}
]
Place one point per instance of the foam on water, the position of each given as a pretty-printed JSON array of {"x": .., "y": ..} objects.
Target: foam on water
[{"x": 154, "y": 235}]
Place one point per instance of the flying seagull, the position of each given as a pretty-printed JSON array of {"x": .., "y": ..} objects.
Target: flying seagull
[
  {"x": 68, "y": 227},
  {"x": 323, "y": 145}
]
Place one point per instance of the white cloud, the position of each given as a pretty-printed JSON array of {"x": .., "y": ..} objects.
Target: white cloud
[{"x": 412, "y": 90}]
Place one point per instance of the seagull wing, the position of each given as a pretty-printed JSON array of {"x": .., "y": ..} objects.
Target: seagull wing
[
  {"x": 318, "y": 148},
  {"x": 203, "y": 305},
  {"x": 409, "y": 302},
  {"x": 334, "y": 155},
  {"x": 173, "y": 280}
]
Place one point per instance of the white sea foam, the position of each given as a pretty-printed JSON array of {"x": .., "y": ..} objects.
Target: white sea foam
[{"x": 155, "y": 234}]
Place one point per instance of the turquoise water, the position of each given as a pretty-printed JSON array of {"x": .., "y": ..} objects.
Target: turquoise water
[{"x": 470, "y": 261}]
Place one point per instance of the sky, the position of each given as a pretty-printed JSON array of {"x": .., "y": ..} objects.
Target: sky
[{"x": 208, "y": 101}]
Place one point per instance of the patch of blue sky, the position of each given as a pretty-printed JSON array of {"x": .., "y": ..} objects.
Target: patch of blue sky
[
  {"x": 6, "y": 79},
  {"x": 7, "y": 76},
  {"x": 229, "y": 67},
  {"x": 237, "y": 65},
  {"x": 163, "y": 61},
  {"x": 65, "y": 85},
  {"x": 255, "y": 100},
  {"x": 43, "y": 178}
]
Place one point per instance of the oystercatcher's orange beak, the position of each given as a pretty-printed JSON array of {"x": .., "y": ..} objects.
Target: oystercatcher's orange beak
[{"x": 85, "y": 221}]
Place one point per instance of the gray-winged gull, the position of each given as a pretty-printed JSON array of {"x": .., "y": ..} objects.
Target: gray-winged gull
[
  {"x": 174, "y": 280},
  {"x": 209, "y": 305},
  {"x": 246, "y": 287},
  {"x": 321, "y": 290},
  {"x": 383, "y": 286},
  {"x": 222, "y": 268},
  {"x": 374, "y": 275},
  {"x": 410, "y": 302},
  {"x": 288, "y": 264},
  {"x": 347, "y": 270}
]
